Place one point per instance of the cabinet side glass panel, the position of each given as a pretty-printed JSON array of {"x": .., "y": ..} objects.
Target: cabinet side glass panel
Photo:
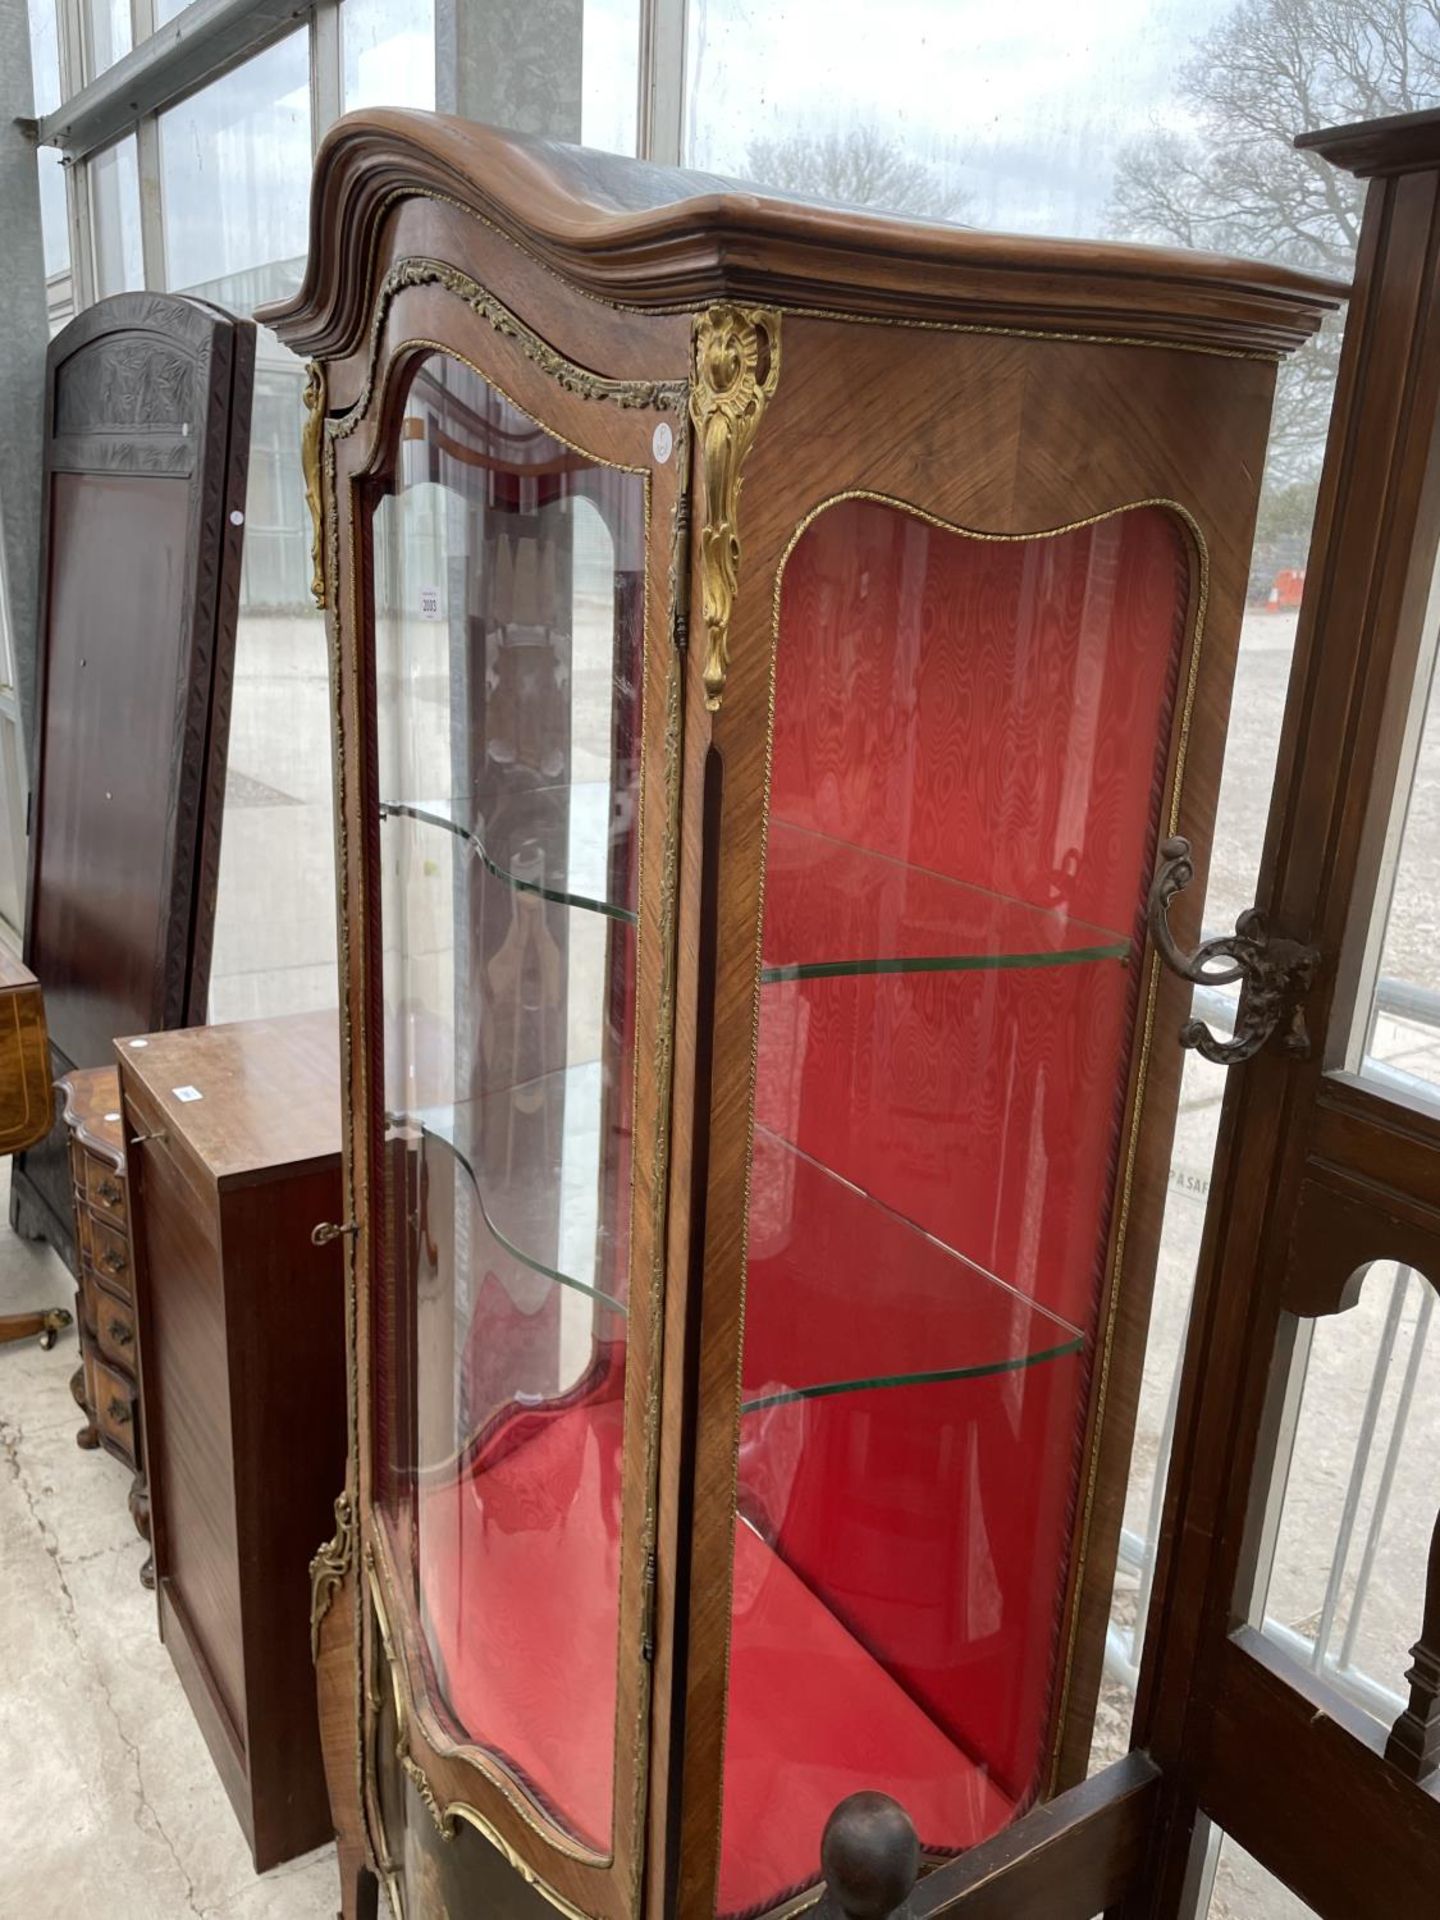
[
  {"x": 508, "y": 577},
  {"x": 969, "y": 753}
]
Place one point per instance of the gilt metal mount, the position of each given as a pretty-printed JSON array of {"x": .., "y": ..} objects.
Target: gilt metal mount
[
  {"x": 329, "y": 1230},
  {"x": 1275, "y": 974}
]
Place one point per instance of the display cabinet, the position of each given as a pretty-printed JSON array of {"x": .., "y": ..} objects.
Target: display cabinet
[{"x": 771, "y": 644}]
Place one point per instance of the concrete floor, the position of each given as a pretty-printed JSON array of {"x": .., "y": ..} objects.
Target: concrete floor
[{"x": 111, "y": 1804}]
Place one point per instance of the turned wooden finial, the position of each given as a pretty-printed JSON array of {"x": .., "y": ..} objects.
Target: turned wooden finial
[{"x": 870, "y": 1856}]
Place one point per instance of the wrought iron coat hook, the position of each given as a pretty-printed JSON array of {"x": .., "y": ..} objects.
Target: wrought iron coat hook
[{"x": 1274, "y": 973}]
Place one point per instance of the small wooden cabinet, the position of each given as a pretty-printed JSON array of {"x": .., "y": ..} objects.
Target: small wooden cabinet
[
  {"x": 759, "y": 1067},
  {"x": 106, "y": 1385},
  {"x": 233, "y": 1149}
]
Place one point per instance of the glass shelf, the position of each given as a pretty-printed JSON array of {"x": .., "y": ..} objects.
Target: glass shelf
[
  {"x": 529, "y": 1157},
  {"x": 552, "y": 841},
  {"x": 833, "y": 909},
  {"x": 845, "y": 1295}
]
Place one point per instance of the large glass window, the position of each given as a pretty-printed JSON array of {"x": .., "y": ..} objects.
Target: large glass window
[
  {"x": 115, "y": 209},
  {"x": 1003, "y": 119},
  {"x": 45, "y": 79},
  {"x": 610, "y": 66},
  {"x": 234, "y": 160},
  {"x": 1397, "y": 1041},
  {"x": 107, "y": 33},
  {"x": 509, "y": 618},
  {"x": 389, "y": 53},
  {"x": 275, "y": 909}
]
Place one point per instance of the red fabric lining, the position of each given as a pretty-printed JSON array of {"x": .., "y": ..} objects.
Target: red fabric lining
[{"x": 519, "y": 1584}]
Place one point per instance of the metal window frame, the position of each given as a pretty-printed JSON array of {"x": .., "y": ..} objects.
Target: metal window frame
[{"x": 211, "y": 38}]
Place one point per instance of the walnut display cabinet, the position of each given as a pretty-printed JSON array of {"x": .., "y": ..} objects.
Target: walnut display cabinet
[{"x": 773, "y": 649}]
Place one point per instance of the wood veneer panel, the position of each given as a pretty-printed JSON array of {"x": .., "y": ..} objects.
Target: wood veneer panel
[
  {"x": 117, "y": 541},
  {"x": 187, "y": 1397}
]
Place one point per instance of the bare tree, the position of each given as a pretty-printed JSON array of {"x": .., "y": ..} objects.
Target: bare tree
[
  {"x": 859, "y": 168},
  {"x": 1271, "y": 70}
]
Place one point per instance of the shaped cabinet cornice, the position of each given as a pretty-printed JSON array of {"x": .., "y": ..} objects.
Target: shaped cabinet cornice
[{"x": 771, "y": 645}]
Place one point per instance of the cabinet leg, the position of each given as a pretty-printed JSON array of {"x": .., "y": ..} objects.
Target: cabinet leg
[
  {"x": 27, "y": 1217},
  {"x": 89, "y": 1435},
  {"x": 359, "y": 1889},
  {"x": 140, "y": 1505}
]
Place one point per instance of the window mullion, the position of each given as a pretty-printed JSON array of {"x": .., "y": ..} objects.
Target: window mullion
[
  {"x": 326, "y": 85},
  {"x": 152, "y": 213}
]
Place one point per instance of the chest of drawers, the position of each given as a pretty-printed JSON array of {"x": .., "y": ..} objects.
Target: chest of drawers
[{"x": 106, "y": 1385}]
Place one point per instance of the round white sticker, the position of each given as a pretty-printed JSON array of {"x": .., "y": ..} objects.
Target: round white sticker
[{"x": 663, "y": 441}]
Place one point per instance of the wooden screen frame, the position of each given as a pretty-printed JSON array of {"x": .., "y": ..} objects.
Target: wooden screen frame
[
  {"x": 211, "y": 365},
  {"x": 1318, "y": 1172}
]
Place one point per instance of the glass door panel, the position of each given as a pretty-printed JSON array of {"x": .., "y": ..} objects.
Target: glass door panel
[
  {"x": 508, "y": 586},
  {"x": 970, "y": 745}
]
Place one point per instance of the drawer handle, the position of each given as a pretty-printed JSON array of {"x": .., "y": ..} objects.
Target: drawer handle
[
  {"x": 112, "y": 1261},
  {"x": 110, "y": 1193},
  {"x": 120, "y": 1411},
  {"x": 139, "y": 1139},
  {"x": 120, "y": 1333}
]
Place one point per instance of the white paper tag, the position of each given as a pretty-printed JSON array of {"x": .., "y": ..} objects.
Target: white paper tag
[
  {"x": 662, "y": 440},
  {"x": 187, "y": 1093},
  {"x": 429, "y": 603}
]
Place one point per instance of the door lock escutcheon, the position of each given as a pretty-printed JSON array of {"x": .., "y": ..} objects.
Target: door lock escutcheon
[{"x": 1275, "y": 973}]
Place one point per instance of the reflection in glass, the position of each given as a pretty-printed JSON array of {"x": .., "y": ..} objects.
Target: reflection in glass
[
  {"x": 233, "y": 160},
  {"x": 970, "y": 739},
  {"x": 115, "y": 209},
  {"x": 509, "y": 592},
  {"x": 388, "y": 49}
]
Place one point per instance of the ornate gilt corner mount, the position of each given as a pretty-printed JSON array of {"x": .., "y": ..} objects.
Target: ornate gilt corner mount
[
  {"x": 311, "y": 435},
  {"x": 329, "y": 1568},
  {"x": 736, "y": 366},
  {"x": 416, "y": 1775},
  {"x": 1275, "y": 974}
]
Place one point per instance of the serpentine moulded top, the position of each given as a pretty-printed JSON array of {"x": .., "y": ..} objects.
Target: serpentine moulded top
[{"x": 664, "y": 239}]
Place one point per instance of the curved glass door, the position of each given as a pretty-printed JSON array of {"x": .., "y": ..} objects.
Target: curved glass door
[
  {"x": 508, "y": 590},
  {"x": 969, "y": 753}
]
